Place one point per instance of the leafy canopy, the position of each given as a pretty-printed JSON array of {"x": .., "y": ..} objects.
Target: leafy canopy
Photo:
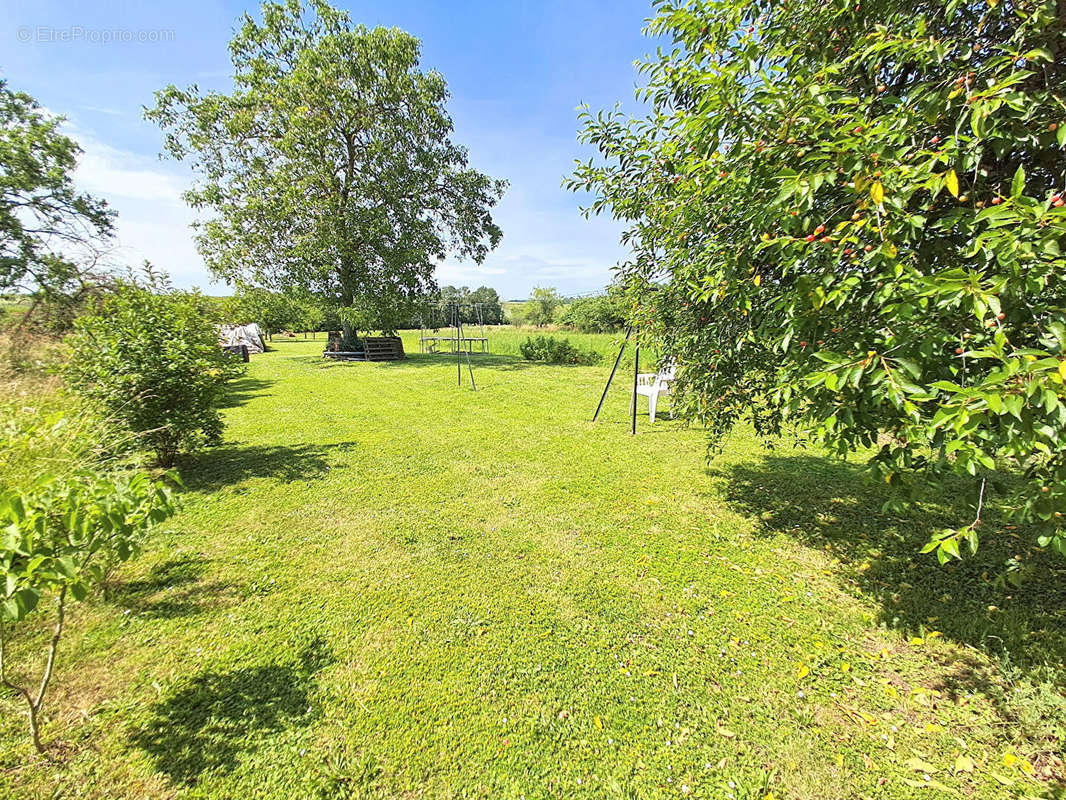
[
  {"x": 600, "y": 313},
  {"x": 273, "y": 311},
  {"x": 850, "y": 218},
  {"x": 331, "y": 166},
  {"x": 49, "y": 231},
  {"x": 480, "y": 306}
]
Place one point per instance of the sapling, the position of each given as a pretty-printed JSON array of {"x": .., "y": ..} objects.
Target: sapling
[{"x": 58, "y": 538}]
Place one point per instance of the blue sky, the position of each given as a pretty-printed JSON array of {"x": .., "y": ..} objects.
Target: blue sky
[{"x": 516, "y": 71}]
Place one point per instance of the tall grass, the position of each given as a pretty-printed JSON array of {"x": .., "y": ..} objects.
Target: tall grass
[{"x": 43, "y": 428}]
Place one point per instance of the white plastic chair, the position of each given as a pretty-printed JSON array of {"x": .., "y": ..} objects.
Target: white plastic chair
[{"x": 651, "y": 385}]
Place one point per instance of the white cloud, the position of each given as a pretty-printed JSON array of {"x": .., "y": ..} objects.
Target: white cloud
[
  {"x": 112, "y": 173},
  {"x": 153, "y": 221}
]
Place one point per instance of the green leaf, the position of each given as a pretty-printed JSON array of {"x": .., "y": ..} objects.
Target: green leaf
[
  {"x": 946, "y": 386},
  {"x": 1013, "y": 403},
  {"x": 911, "y": 367},
  {"x": 66, "y": 566},
  {"x": 10, "y": 610},
  {"x": 21, "y": 603},
  {"x": 1017, "y": 186}
]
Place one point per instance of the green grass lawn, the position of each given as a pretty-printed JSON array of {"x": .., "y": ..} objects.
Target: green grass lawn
[{"x": 384, "y": 585}]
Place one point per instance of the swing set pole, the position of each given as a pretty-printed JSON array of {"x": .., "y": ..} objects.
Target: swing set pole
[
  {"x": 636, "y": 371},
  {"x": 617, "y": 361},
  {"x": 470, "y": 368},
  {"x": 458, "y": 346}
]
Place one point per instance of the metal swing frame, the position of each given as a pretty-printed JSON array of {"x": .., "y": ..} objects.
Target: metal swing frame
[
  {"x": 614, "y": 369},
  {"x": 430, "y": 343}
]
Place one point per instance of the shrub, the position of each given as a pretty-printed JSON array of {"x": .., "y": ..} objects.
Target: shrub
[
  {"x": 556, "y": 351},
  {"x": 151, "y": 359},
  {"x": 602, "y": 313},
  {"x": 60, "y": 537}
]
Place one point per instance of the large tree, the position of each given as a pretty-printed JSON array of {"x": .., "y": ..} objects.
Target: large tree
[
  {"x": 850, "y": 218},
  {"x": 50, "y": 234},
  {"x": 542, "y": 304},
  {"x": 491, "y": 311},
  {"x": 330, "y": 166}
]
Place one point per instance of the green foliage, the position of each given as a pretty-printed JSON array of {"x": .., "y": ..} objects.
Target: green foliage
[
  {"x": 150, "y": 359},
  {"x": 491, "y": 308},
  {"x": 489, "y": 313},
  {"x": 42, "y": 439},
  {"x": 273, "y": 311},
  {"x": 336, "y": 137},
  {"x": 601, "y": 313},
  {"x": 541, "y": 306},
  {"x": 556, "y": 351},
  {"x": 46, "y": 227},
  {"x": 61, "y": 536},
  {"x": 63, "y": 532},
  {"x": 853, "y": 221}
]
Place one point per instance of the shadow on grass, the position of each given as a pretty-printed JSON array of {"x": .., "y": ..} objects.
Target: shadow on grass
[
  {"x": 243, "y": 390},
  {"x": 215, "y": 467},
  {"x": 496, "y": 361},
  {"x": 205, "y": 726},
  {"x": 167, "y": 574},
  {"x": 179, "y": 581},
  {"x": 830, "y": 505},
  {"x": 477, "y": 361}
]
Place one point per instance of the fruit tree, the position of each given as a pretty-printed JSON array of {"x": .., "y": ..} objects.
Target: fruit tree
[{"x": 848, "y": 218}]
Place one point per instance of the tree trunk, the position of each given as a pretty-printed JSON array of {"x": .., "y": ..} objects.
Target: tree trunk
[
  {"x": 36, "y": 704},
  {"x": 345, "y": 273}
]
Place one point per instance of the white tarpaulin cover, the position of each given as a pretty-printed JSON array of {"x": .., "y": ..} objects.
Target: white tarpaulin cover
[{"x": 236, "y": 335}]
